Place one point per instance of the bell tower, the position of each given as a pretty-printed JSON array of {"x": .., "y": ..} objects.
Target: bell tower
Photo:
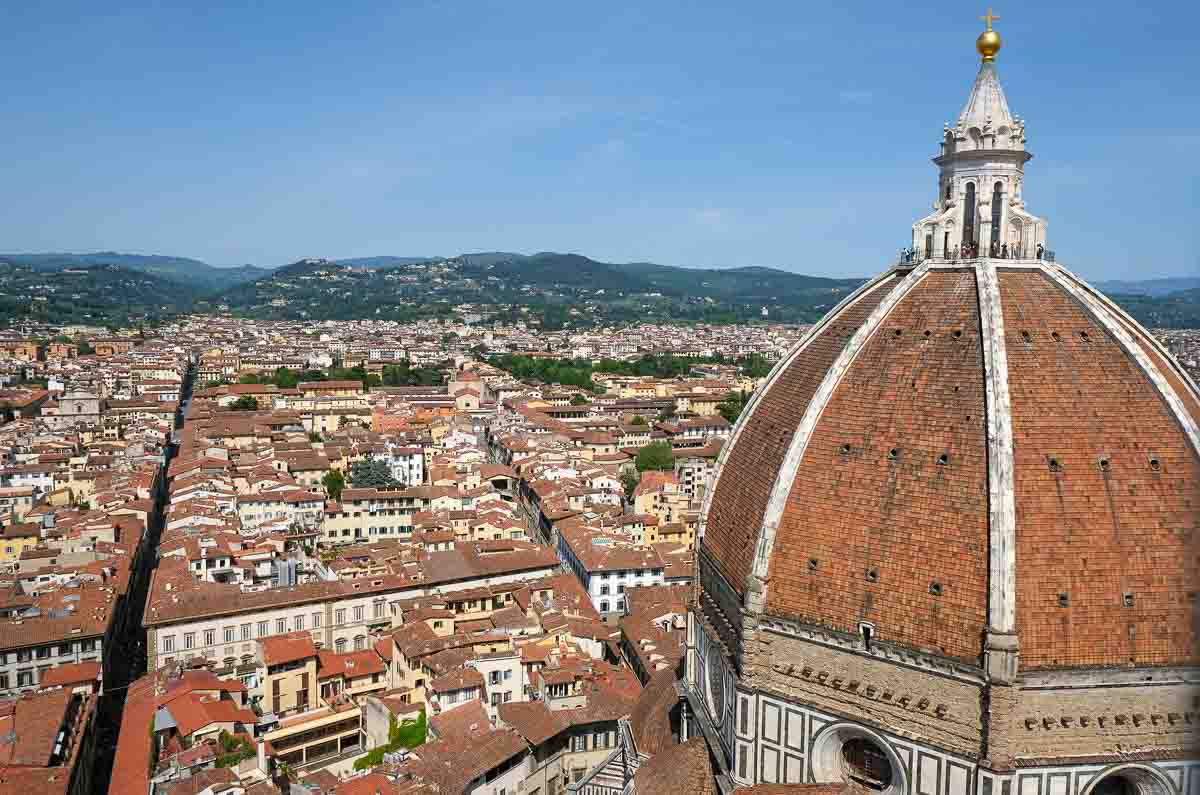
[{"x": 980, "y": 206}]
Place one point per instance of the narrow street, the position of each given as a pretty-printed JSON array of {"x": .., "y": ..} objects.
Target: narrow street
[{"x": 125, "y": 657}]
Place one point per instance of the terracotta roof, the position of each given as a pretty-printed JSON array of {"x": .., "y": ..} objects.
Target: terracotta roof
[
  {"x": 217, "y": 778},
  {"x": 740, "y": 493},
  {"x": 34, "y": 719},
  {"x": 678, "y": 770},
  {"x": 892, "y": 506},
  {"x": 289, "y": 647},
  {"x": 370, "y": 784},
  {"x": 350, "y": 664},
  {"x": 71, "y": 674},
  {"x": 650, "y": 720}
]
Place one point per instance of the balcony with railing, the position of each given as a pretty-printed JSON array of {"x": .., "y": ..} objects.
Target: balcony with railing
[{"x": 911, "y": 257}]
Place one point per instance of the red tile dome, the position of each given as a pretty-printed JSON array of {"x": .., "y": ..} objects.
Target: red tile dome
[{"x": 964, "y": 450}]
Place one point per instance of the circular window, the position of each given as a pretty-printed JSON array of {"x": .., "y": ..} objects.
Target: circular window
[
  {"x": 1131, "y": 780},
  {"x": 716, "y": 683},
  {"x": 1115, "y": 785},
  {"x": 856, "y": 755},
  {"x": 866, "y": 764}
]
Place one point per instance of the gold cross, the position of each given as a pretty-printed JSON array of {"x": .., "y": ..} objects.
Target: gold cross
[{"x": 989, "y": 19}]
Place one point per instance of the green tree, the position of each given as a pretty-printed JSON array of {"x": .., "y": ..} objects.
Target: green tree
[
  {"x": 409, "y": 734},
  {"x": 655, "y": 456},
  {"x": 334, "y": 481},
  {"x": 755, "y": 366},
  {"x": 732, "y": 406},
  {"x": 233, "y": 749},
  {"x": 372, "y": 474},
  {"x": 629, "y": 481},
  {"x": 244, "y": 403},
  {"x": 285, "y": 378},
  {"x": 579, "y": 400},
  {"x": 638, "y": 419}
]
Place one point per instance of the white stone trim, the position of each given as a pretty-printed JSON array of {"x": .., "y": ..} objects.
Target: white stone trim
[
  {"x": 1002, "y": 509},
  {"x": 816, "y": 406},
  {"x": 1084, "y": 679},
  {"x": 1150, "y": 339},
  {"x": 774, "y": 375},
  {"x": 1099, "y": 312}
]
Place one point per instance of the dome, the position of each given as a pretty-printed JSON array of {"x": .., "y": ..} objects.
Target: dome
[{"x": 961, "y": 451}]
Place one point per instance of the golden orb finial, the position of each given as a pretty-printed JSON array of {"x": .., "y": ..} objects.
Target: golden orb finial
[{"x": 988, "y": 42}]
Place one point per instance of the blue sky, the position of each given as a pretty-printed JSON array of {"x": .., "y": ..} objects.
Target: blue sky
[{"x": 789, "y": 134}]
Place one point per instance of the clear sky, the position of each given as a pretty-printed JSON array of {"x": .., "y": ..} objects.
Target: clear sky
[{"x": 770, "y": 132}]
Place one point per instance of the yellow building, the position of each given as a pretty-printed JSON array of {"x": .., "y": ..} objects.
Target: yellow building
[
  {"x": 16, "y": 538},
  {"x": 659, "y": 494}
]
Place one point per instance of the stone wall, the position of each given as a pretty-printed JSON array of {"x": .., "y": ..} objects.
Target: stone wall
[
  {"x": 924, "y": 706},
  {"x": 1122, "y": 720}
]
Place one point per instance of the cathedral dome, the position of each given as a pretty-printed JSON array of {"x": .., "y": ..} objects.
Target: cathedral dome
[{"x": 963, "y": 452}]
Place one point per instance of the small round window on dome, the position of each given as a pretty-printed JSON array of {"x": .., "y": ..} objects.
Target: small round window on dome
[
  {"x": 1083, "y": 335},
  {"x": 845, "y": 449},
  {"x": 943, "y": 459},
  {"x": 1054, "y": 465},
  {"x": 1054, "y": 335},
  {"x": 813, "y": 564},
  {"x": 893, "y": 454},
  {"x": 1105, "y": 465},
  {"x": 1026, "y": 337},
  {"x": 1155, "y": 464},
  {"x": 958, "y": 334}
]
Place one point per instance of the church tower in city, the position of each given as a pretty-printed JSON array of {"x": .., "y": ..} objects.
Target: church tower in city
[
  {"x": 953, "y": 544},
  {"x": 980, "y": 206}
]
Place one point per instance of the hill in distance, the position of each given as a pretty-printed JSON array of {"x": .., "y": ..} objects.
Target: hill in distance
[
  {"x": 184, "y": 270},
  {"x": 555, "y": 290},
  {"x": 1152, "y": 287},
  {"x": 107, "y": 295},
  {"x": 384, "y": 261}
]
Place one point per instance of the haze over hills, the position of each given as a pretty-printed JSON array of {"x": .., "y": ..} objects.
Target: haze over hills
[
  {"x": 180, "y": 269},
  {"x": 107, "y": 295},
  {"x": 1152, "y": 287},
  {"x": 555, "y": 289}
]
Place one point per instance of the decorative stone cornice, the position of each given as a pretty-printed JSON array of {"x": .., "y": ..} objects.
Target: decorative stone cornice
[{"x": 884, "y": 652}]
